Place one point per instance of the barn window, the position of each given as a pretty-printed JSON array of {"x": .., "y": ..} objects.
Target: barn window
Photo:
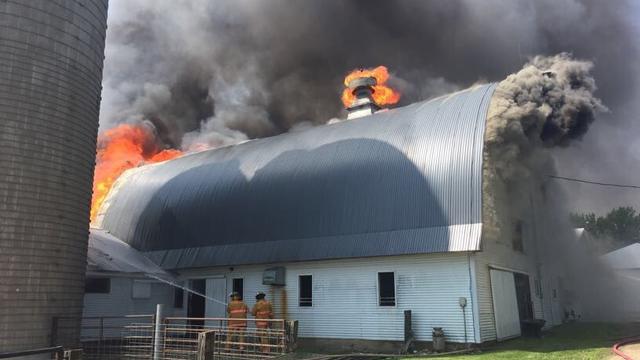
[
  {"x": 386, "y": 289},
  {"x": 537, "y": 287},
  {"x": 238, "y": 286},
  {"x": 517, "y": 236},
  {"x": 141, "y": 289},
  {"x": 97, "y": 285},
  {"x": 178, "y": 297},
  {"x": 305, "y": 290}
]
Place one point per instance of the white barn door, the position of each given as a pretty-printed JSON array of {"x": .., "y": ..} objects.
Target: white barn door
[
  {"x": 216, "y": 289},
  {"x": 505, "y": 304}
]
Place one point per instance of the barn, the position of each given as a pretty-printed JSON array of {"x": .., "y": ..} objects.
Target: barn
[
  {"x": 344, "y": 227},
  {"x": 624, "y": 263}
]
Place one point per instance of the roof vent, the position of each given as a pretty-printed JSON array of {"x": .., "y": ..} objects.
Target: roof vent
[{"x": 363, "y": 104}]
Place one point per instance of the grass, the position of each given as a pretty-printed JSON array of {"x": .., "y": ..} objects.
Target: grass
[{"x": 570, "y": 341}]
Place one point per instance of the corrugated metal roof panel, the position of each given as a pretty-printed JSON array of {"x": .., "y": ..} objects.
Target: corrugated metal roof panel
[
  {"x": 402, "y": 181},
  {"x": 108, "y": 253},
  {"x": 401, "y": 242}
]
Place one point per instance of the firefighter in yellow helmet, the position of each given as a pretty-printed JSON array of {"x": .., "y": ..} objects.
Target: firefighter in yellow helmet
[
  {"x": 263, "y": 310},
  {"x": 237, "y": 312}
]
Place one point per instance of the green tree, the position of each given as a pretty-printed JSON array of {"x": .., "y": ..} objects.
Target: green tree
[{"x": 622, "y": 225}]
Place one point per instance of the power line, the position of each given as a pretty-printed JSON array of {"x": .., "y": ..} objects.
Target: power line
[{"x": 594, "y": 182}]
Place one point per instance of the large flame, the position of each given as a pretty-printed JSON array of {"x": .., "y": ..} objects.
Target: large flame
[
  {"x": 122, "y": 148},
  {"x": 382, "y": 95}
]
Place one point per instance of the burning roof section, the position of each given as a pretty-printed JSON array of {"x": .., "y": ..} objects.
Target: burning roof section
[{"x": 402, "y": 181}]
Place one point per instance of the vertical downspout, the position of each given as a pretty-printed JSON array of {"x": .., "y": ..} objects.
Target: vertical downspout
[
  {"x": 537, "y": 259},
  {"x": 473, "y": 290}
]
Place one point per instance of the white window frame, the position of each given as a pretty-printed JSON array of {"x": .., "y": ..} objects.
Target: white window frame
[
  {"x": 299, "y": 276},
  {"x": 395, "y": 289}
]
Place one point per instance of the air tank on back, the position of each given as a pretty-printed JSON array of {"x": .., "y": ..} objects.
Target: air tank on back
[{"x": 51, "y": 58}]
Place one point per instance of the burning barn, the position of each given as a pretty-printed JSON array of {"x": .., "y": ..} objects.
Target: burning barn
[{"x": 344, "y": 227}]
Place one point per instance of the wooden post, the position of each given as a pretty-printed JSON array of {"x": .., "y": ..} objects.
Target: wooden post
[
  {"x": 408, "y": 332},
  {"x": 291, "y": 335},
  {"x": 59, "y": 355},
  {"x": 206, "y": 345},
  {"x": 101, "y": 329}
]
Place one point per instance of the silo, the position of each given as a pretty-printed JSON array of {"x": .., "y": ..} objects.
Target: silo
[{"x": 51, "y": 57}]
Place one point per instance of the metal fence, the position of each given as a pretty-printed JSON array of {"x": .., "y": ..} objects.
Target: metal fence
[
  {"x": 56, "y": 352},
  {"x": 230, "y": 342},
  {"x": 107, "y": 337},
  {"x": 140, "y": 337}
]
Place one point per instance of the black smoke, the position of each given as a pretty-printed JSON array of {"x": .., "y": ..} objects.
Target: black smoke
[
  {"x": 550, "y": 102},
  {"x": 225, "y": 71}
]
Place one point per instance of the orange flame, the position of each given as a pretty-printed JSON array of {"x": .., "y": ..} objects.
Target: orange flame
[
  {"x": 382, "y": 94},
  {"x": 121, "y": 148}
]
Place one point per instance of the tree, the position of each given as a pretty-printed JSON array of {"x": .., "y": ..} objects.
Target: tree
[{"x": 622, "y": 225}]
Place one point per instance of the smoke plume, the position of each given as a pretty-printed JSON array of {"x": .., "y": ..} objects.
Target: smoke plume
[
  {"x": 548, "y": 103},
  {"x": 230, "y": 70},
  {"x": 213, "y": 73}
]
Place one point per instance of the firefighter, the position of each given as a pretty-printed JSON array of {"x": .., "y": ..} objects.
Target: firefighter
[
  {"x": 263, "y": 310},
  {"x": 237, "y": 324}
]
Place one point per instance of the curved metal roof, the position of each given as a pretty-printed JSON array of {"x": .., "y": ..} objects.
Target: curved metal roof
[{"x": 402, "y": 181}]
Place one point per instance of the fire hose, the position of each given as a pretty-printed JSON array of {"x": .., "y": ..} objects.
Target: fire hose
[{"x": 616, "y": 347}]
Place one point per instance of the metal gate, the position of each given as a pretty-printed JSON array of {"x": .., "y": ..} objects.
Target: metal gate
[
  {"x": 141, "y": 337},
  {"x": 183, "y": 339}
]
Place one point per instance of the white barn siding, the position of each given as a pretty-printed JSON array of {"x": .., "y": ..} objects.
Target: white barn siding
[
  {"x": 500, "y": 254},
  {"x": 345, "y": 297},
  {"x": 544, "y": 306},
  {"x": 119, "y": 302},
  {"x": 539, "y": 228},
  {"x": 485, "y": 301}
]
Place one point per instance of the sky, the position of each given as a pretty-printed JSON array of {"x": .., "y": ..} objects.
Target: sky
[
  {"x": 225, "y": 71},
  {"x": 610, "y": 153}
]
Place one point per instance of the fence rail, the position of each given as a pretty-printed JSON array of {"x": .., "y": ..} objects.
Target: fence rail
[
  {"x": 233, "y": 340},
  {"x": 176, "y": 338},
  {"x": 57, "y": 351}
]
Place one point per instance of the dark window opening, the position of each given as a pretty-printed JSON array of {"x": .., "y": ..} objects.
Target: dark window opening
[
  {"x": 97, "y": 285},
  {"x": 386, "y": 289},
  {"x": 517, "y": 237},
  {"x": 538, "y": 287},
  {"x": 178, "y": 298},
  {"x": 305, "y": 294},
  {"x": 196, "y": 303},
  {"x": 523, "y": 296},
  {"x": 238, "y": 286}
]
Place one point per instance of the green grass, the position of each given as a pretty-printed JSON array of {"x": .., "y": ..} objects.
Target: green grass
[{"x": 569, "y": 341}]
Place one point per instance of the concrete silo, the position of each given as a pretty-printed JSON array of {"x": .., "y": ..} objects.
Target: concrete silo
[{"x": 51, "y": 58}]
